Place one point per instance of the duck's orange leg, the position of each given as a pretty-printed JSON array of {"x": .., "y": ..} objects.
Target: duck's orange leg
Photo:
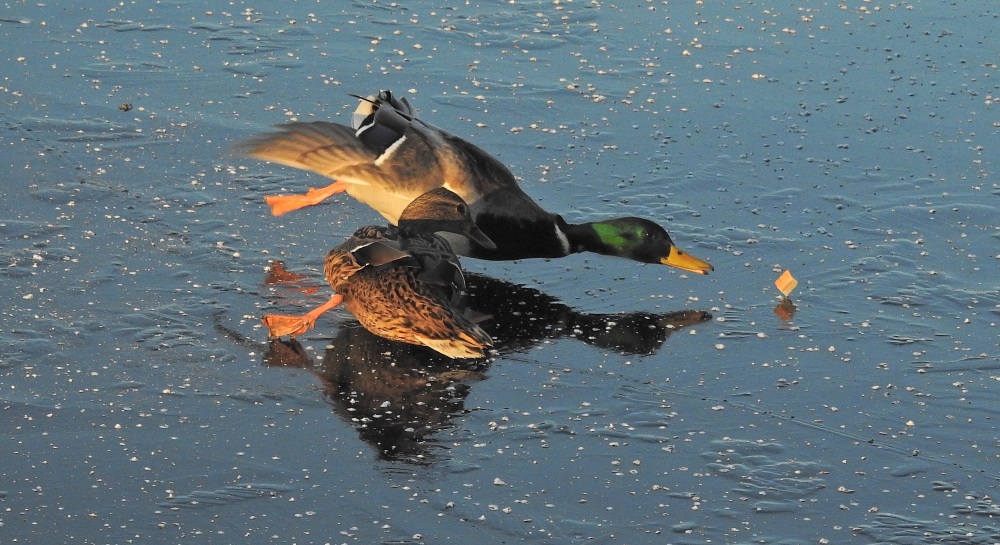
[
  {"x": 282, "y": 204},
  {"x": 281, "y": 324}
]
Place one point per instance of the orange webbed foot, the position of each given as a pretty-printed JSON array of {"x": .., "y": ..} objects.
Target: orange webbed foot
[
  {"x": 279, "y": 325},
  {"x": 283, "y": 204}
]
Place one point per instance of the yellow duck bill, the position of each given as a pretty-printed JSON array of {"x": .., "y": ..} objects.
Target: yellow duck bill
[{"x": 685, "y": 261}]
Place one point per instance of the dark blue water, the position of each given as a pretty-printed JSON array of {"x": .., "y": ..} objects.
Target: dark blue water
[{"x": 853, "y": 144}]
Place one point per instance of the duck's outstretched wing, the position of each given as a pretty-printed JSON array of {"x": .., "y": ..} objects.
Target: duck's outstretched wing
[{"x": 329, "y": 149}]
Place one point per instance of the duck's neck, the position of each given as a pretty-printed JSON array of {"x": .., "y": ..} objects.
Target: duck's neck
[{"x": 583, "y": 237}]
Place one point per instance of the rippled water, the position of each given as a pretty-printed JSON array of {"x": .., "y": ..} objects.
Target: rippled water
[{"x": 853, "y": 143}]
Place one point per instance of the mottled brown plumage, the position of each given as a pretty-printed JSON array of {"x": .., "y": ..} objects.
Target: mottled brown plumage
[{"x": 404, "y": 283}]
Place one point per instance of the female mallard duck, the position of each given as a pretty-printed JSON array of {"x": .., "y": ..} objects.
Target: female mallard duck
[
  {"x": 404, "y": 283},
  {"x": 390, "y": 157}
]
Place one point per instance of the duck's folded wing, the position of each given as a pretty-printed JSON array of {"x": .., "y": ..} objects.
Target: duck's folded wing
[
  {"x": 444, "y": 274},
  {"x": 379, "y": 253}
]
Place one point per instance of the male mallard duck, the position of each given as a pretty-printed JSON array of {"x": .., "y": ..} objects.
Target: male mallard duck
[
  {"x": 404, "y": 283},
  {"x": 390, "y": 157}
]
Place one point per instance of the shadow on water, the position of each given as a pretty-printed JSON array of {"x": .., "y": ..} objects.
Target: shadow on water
[
  {"x": 401, "y": 396},
  {"x": 523, "y": 317}
]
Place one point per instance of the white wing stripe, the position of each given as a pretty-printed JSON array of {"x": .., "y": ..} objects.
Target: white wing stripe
[{"x": 389, "y": 151}]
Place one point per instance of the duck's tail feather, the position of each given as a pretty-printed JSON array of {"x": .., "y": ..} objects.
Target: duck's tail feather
[
  {"x": 468, "y": 343},
  {"x": 372, "y": 103}
]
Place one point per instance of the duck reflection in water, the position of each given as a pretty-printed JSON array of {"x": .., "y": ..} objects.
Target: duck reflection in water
[
  {"x": 398, "y": 396},
  {"x": 523, "y": 317},
  {"x": 402, "y": 398}
]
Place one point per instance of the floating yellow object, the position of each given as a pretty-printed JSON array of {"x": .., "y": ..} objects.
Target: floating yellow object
[{"x": 786, "y": 283}]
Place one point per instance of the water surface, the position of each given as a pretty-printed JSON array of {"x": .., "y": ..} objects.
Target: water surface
[{"x": 853, "y": 143}]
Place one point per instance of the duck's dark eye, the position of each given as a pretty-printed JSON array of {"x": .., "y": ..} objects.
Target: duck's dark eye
[{"x": 460, "y": 209}]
